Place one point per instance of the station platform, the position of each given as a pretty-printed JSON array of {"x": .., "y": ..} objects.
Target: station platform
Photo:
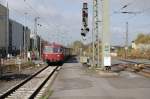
[{"x": 75, "y": 82}]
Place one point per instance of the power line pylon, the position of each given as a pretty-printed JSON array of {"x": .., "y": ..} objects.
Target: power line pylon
[{"x": 95, "y": 34}]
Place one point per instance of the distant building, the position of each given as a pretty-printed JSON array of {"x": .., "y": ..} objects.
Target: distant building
[
  {"x": 16, "y": 40},
  {"x": 133, "y": 45},
  {"x": 31, "y": 44},
  {"x": 28, "y": 32},
  {"x": 36, "y": 44},
  {"x": 113, "y": 50},
  {"x": 19, "y": 37},
  {"x": 14, "y": 37},
  {"x": 141, "y": 47},
  {"x": 3, "y": 30}
]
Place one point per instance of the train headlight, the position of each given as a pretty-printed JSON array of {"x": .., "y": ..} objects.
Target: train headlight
[{"x": 58, "y": 55}]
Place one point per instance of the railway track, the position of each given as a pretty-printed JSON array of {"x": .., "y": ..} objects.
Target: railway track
[
  {"x": 138, "y": 67},
  {"x": 32, "y": 86}
]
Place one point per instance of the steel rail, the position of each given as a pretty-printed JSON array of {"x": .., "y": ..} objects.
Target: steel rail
[
  {"x": 43, "y": 83},
  {"x": 145, "y": 71},
  {"x": 10, "y": 91}
]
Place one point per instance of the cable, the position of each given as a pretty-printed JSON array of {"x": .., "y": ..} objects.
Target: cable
[
  {"x": 123, "y": 7},
  {"x": 128, "y": 4},
  {"x": 44, "y": 19},
  {"x": 34, "y": 10},
  {"x": 56, "y": 26}
]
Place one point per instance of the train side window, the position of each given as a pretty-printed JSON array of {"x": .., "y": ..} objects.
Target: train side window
[
  {"x": 60, "y": 50},
  {"x": 55, "y": 50}
]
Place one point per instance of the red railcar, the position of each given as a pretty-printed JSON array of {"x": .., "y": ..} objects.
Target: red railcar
[{"x": 55, "y": 54}]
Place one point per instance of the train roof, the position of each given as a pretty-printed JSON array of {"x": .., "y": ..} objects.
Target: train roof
[{"x": 54, "y": 45}]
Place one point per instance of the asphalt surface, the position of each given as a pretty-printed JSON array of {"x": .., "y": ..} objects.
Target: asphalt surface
[{"x": 74, "y": 82}]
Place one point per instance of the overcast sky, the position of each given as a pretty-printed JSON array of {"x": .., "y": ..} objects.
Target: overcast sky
[{"x": 62, "y": 18}]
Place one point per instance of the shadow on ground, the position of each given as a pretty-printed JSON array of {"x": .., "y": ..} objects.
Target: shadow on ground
[
  {"x": 13, "y": 77},
  {"x": 72, "y": 60}
]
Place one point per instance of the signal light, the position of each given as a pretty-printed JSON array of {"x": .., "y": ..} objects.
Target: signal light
[
  {"x": 87, "y": 29},
  {"x": 85, "y": 24},
  {"x": 84, "y": 31},
  {"x": 85, "y": 5},
  {"x": 83, "y": 34},
  {"x": 85, "y": 13}
]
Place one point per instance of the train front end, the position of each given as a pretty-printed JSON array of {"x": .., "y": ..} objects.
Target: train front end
[{"x": 53, "y": 55}]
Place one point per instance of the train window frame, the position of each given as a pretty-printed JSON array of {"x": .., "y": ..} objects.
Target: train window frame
[
  {"x": 50, "y": 49},
  {"x": 55, "y": 50}
]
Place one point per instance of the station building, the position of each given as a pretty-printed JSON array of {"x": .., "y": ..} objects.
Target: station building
[
  {"x": 14, "y": 37},
  {"x": 4, "y": 34},
  {"x": 19, "y": 37}
]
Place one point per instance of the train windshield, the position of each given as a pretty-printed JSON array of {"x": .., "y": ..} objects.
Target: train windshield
[
  {"x": 49, "y": 49},
  {"x": 57, "y": 50}
]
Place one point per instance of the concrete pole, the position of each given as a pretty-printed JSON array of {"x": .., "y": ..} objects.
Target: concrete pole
[
  {"x": 93, "y": 40},
  {"x": 98, "y": 35},
  {"x": 106, "y": 35},
  {"x": 126, "y": 42}
]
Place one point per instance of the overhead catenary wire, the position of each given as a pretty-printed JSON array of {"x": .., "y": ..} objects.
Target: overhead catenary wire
[
  {"x": 133, "y": 13},
  {"x": 137, "y": 13},
  {"x": 56, "y": 26},
  {"x": 140, "y": 12},
  {"x": 36, "y": 13},
  {"x": 19, "y": 13},
  {"x": 45, "y": 23},
  {"x": 127, "y": 4}
]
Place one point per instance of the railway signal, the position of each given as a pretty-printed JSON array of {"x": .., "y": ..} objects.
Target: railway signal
[{"x": 84, "y": 29}]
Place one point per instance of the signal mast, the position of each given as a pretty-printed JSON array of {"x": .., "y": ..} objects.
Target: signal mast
[{"x": 84, "y": 29}]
